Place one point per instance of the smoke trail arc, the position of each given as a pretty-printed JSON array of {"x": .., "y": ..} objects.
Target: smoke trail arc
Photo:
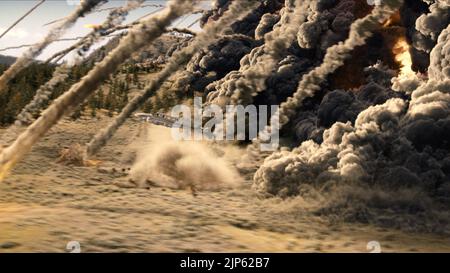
[
  {"x": 22, "y": 62},
  {"x": 334, "y": 58},
  {"x": 239, "y": 87},
  {"x": 135, "y": 40},
  {"x": 61, "y": 73},
  {"x": 238, "y": 9},
  {"x": 21, "y": 18}
]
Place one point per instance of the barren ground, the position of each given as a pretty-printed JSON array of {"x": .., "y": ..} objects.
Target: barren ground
[{"x": 44, "y": 205}]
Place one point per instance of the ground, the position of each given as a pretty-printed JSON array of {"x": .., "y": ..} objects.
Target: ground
[{"x": 44, "y": 205}]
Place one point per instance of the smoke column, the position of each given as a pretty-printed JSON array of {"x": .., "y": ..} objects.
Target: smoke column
[
  {"x": 394, "y": 157},
  {"x": 139, "y": 37},
  {"x": 252, "y": 77},
  {"x": 238, "y": 9},
  {"x": 85, "y": 7},
  {"x": 335, "y": 56}
]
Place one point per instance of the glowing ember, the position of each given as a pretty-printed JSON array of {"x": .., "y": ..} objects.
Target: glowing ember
[
  {"x": 403, "y": 57},
  {"x": 93, "y": 26},
  {"x": 394, "y": 20}
]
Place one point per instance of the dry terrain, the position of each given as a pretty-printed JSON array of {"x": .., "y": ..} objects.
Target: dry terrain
[{"x": 45, "y": 204}]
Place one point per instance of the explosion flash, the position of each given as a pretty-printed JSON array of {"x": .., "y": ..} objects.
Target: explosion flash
[{"x": 403, "y": 57}]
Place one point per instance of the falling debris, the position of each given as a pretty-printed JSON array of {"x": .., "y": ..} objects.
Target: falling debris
[
  {"x": 363, "y": 89},
  {"x": 209, "y": 34},
  {"x": 85, "y": 7},
  {"x": 136, "y": 39}
]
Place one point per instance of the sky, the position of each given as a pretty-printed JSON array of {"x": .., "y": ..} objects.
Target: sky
[{"x": 32, "y": 30}]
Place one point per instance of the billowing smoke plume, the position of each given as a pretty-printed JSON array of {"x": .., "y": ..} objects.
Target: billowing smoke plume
[
  {"x": 431, "y": 24},
  {"x": 241, "y": 86},
  {"x": 180, "y": 58},
  {"x": 360, "y": 30},
  {"x": 394, "y": 158},
  {"x": 440, "y": 58},
  {"x": 139, "y": 37},
  {"x": 334, "y": 58},
  {"x": 84, "y": 7},
  {"x": 218, "y": 59}
]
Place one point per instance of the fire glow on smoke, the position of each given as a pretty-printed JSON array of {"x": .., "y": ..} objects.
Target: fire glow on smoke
[{"x": 403, "y": 57}]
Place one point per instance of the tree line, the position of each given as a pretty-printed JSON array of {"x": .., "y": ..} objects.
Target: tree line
[{"x": 111, "y": 96}]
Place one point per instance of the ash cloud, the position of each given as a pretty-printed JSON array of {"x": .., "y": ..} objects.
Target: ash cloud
[
  {"x": 429, "y": 25},
  {"x": 388, "y": 166},
  {"x": 239, "y": 87}
]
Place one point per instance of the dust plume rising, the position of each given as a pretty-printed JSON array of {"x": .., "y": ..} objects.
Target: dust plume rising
[
  {"x": 182, "y": 164},
  {"x": 139, "y": 37},
  {"x": 22, "y": 62},
  {"x": 209, "y": 34}
]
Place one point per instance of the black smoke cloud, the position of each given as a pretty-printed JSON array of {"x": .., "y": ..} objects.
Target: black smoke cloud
[{"x": 378, "y": 151}]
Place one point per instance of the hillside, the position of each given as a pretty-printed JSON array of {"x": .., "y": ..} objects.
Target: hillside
[{"x": 7, "y": 60}]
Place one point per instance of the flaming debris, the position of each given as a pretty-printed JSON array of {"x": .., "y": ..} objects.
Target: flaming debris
[
  {"x": 92, "y": 26},
  {"x": 136, "y": 39},
  {"x": 373, "y": 150},
  {"x": 61, "y": 73},
  {"x": 22, "y": 62},
  {"x": 238, "y": 9}
]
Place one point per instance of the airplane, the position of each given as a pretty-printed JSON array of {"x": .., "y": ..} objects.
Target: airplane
[{"x": 157, "y": 119}]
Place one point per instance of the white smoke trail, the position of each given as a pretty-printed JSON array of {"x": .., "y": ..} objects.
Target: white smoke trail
[
  {"x": 238, "y": 9},
  {"x": 55, "y": 33},
  {"x": 26, "y": 116},
  {"x": 42, "y": 95},
  {"x": 22, "y": 17},
  {"x": 139, "y": 37},
  {"x": 253, "y": 79},
  {"x": 61, "y": 73},
  {"x": 115, "y": 18}
]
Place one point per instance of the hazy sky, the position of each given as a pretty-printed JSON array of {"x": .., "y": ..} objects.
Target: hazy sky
[{"x": 31, "y": 29}]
